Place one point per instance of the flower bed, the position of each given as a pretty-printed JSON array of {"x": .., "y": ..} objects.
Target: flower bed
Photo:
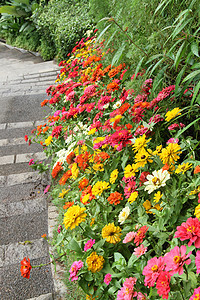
[{"x": 127, "y": 184}]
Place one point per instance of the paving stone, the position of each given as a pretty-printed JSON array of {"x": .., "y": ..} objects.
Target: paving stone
[
  {"x": 23, "y": 227},
  {"x": 21, "y": 148},
  {"x": 20, "y": 192},
  {"x": 2, "y": 126},
  {"x": 15, "y": 133},
  {"x": 44, "y": 297},
  {"x": 9, "y": 159},
  {"x": 20, "y": 125},
  {"x": 26, "y": 206},
  {"x": 15, "y": 287},
  {"x": 15, "y": 169},
  {"x": 2, "y": 181},
  {"x": 25, "y": 157},
  {"x": 27, "y": 177},
  {"x": 4, "y": 142}
]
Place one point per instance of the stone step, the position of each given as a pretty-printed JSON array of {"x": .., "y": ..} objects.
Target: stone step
[
  {"x": 6, "y": 148},
  {"x": 15, "y": 287},
  {"x": 7, "y": 169}
]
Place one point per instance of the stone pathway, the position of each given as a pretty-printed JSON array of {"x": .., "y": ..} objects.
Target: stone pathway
[{"x": 23, "y": 207}]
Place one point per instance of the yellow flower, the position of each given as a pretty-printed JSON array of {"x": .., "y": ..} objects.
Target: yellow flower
[
  {"x": 140, "y": 143},
  {"x": 92, "y": 131},
  {"x": 92, "y": 221},
  {"x": 158, "y": 207},
  {"x": 48, "y": 140},
  {"x": 86, "y": 198},
  {"x": 74, "y": 216},
  {"x": 183, "y": 168},
  {"x": 158, "y": 150},
  {"x": 118, "y": 117},
  {"x": 170, "y": 154},
  {"x": 62, "y": 194},
  {"x": 157, "y": 196},
  {"x": 129, "y": 170},
  {"x": 196, "y": 191},
  {"x": 113, "y": 176},
  {"x": 142, "y": 157},
  {"x": 99, "y": 187},
  {"x": 95, "y": 262},
  {"x": 197, "y": 211},
  {"x": 172, "y": 114},
  {"x": 75, "y": 171},
  {"x": 98, "y": 167},
  {"x": 132, "y": 197},
  {"x": 111, "y": 233},
  {"x": 147, "y": 205},
  {"x": 84, "y": 148}
]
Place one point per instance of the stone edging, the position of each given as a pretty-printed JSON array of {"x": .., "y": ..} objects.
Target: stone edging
[{"x": 2, "y": 42}]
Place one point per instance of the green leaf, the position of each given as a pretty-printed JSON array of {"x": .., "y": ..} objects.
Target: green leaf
[
  {"x": 180, "y": 27},
  {"x": 132, "y": 259},
  {"x": 102, "y": 33},
  {"x": 73, "y": 245},
  {"x": 138, "y": 67},
  {"x": 178, "y": 79},
  {"x": 194, "y": 48},
  {"x": 156, "y": 65},
  {"x": 10, "y": 10},
  {"x": 179, "y": 55},
  {"x": 118, "y": 257},
  {"x": 185, "y": 128},
  {"x": 118, "y": 55},
  {"x": 196, "y": 90},
  {"x": 191, "y": 75},
  {"x": 110, "y": 38}
]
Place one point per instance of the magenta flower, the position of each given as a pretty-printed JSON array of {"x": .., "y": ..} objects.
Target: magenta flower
[
  {"x": 59, "y": 228},
  {"x": 76, "y": 266},
  {"x": 127, "y": 292},
  {"x": 141, "y": 296},
  {"x": 152, "y": 270},
  {"x": 196, "y": 294},
  {"x": 89, "y": 244},
  {"x": 162, "y": 284},
  {"x": 189, "y": 230},
  {"x": 140, "y": 250},
  {"x": 31, "y": 162},
  {"x": 172, "y": 141},
  {"x": 107, "y": 278},
  {"x": 197, "y": 261},
  {"x": 47, "y": 189},
  {"x": 176, "y": 259}
]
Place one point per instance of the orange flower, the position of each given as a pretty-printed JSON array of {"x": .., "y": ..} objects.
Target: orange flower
[
  {"x": 25, "y": 267},
  {"x": 113, "y": 86},
  {"x": 56, "y": 169},
  {"x": 165, "y": 167},
  {"x": 45, "y": 129},
  {"x": 129, "y": 126},
  {"x": 70, "y": 158},
  {"x": 83, "y": 183},
  {"x": 101, "y": 157},
  {"x": 124, "y": 108},
  {"x": 197, "y": 170},
  {"x": 68, "y": 204},
  {"x": 43, "y": 103},
  {"x": 87, "y": 191},
  {"x": 65, "y": 177},
  {"x": 115, "y": 198},
  {"x": 44, "y": 235},
  {"x": 107, "y": 69}
]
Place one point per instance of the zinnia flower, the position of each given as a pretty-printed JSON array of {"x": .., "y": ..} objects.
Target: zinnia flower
[
  {"x": 189, "y": 230},
  {"x": 111, "y": 233},
  {"x": 95, "y": 262},
  {"x": 99, "y": 187},
  {"x": 127, "y": 292},
  {"x": 133, "y": 197},
  {"x": 74, "y": 216},
  {"x": 172, "y": 114},
  {"x": 175, "y": 260},
  {"x": 115, "y": 198},
  {"x": 156, "y": 180},
  {"x": 25, "y": 267},
  {"x": 162, "y": 284},
  {"x": 129, "y": 237},
  {"x": 140, "y": 235},
  {"x": 196, "y": 294},
  {"x": 107, "y": 278},
  {"x": 152, "y": 270},
  {"x": 48, "y": 140},
  {"x": 89, "y": 244},
  {"x": 76, "y": 266},
  {"x": 183, "y": 168},
  {"x": 197, "y": 261},
  {"x": 124, "y": 214},
  {"x": 113, "y": 176},
  {"x": 170, "y": 154},
  {"x": 140, "y": 143},
  {"x": 140, "y": 250}
]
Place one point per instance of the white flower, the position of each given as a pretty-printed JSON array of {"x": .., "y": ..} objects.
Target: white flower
[
  {"x": 156, "y": 180},
  {"x": 117, "y": 104},
  {"x": 124, "y": 214},
  {"x": 106, "y": 105}
]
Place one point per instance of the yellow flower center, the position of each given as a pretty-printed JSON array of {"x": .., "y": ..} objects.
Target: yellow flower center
[
  {"x": 154, "y": 268},
  {"x": 190, "y": 228},
  {"x": 155, "y": 180},
  {"x": 177, "y": 259}
]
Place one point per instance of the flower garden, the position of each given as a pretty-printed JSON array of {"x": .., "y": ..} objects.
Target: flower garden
[{"x": 125, "y": 178}]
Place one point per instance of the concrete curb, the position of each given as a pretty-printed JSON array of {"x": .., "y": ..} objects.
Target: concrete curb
[{"x": 19, "y": 49}]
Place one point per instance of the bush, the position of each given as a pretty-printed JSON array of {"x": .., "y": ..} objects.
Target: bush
[{"x": 61, "y": 24}]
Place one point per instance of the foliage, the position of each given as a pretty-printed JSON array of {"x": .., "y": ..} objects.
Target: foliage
[
  {"x": 61, "y": 24},
  {"x": 126, "y": 169}
]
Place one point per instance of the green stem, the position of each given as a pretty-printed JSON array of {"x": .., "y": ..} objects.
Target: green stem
[
  {"x": 52, "y": 261},
  {"x": 130, "y": 39}
]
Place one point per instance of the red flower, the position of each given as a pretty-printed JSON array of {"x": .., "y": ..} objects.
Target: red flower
[
  {"x": 25, "y": 267},
  {"x": 56, "y": 131},
  {"x": 26, "y": 138},
  {"x": 152, "y": 270},
  {"x": 162, "y": 284},
  {"x": 140, "y": 235},
  {"x": 115, "y": 198},
  {"x": 189, "y": 230}
]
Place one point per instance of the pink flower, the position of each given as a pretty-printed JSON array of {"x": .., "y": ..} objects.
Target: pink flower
[
  {"x": 107, "y": 278},
  {"x": 47, "y": 189},
  {"x": 152, "y": 270},
  {"x": 176, "y": 259},
  {"x": 189, "y": 230},
  {"x": 172, "y": 141},
  {"x": 140, "y": 250},
  {"x": 59, "y": 228},
  {"x": 140, "y": 296},
  {"x": 76, "y": 266},
  {"x": 197, "y": 261},
  {"x": 31, "y": 162},
  {"x": 173, "y": 126},
  {"x": 162, "y": 284},
  {"x": 129, "y": 237},
  {"x": 196, "y": 294},
  {"x": 127, "y": 291},
  {"x": 89, "y": 244},
  {"x": 56, "y": 131},
  {"x": 140, "y": 235}
]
